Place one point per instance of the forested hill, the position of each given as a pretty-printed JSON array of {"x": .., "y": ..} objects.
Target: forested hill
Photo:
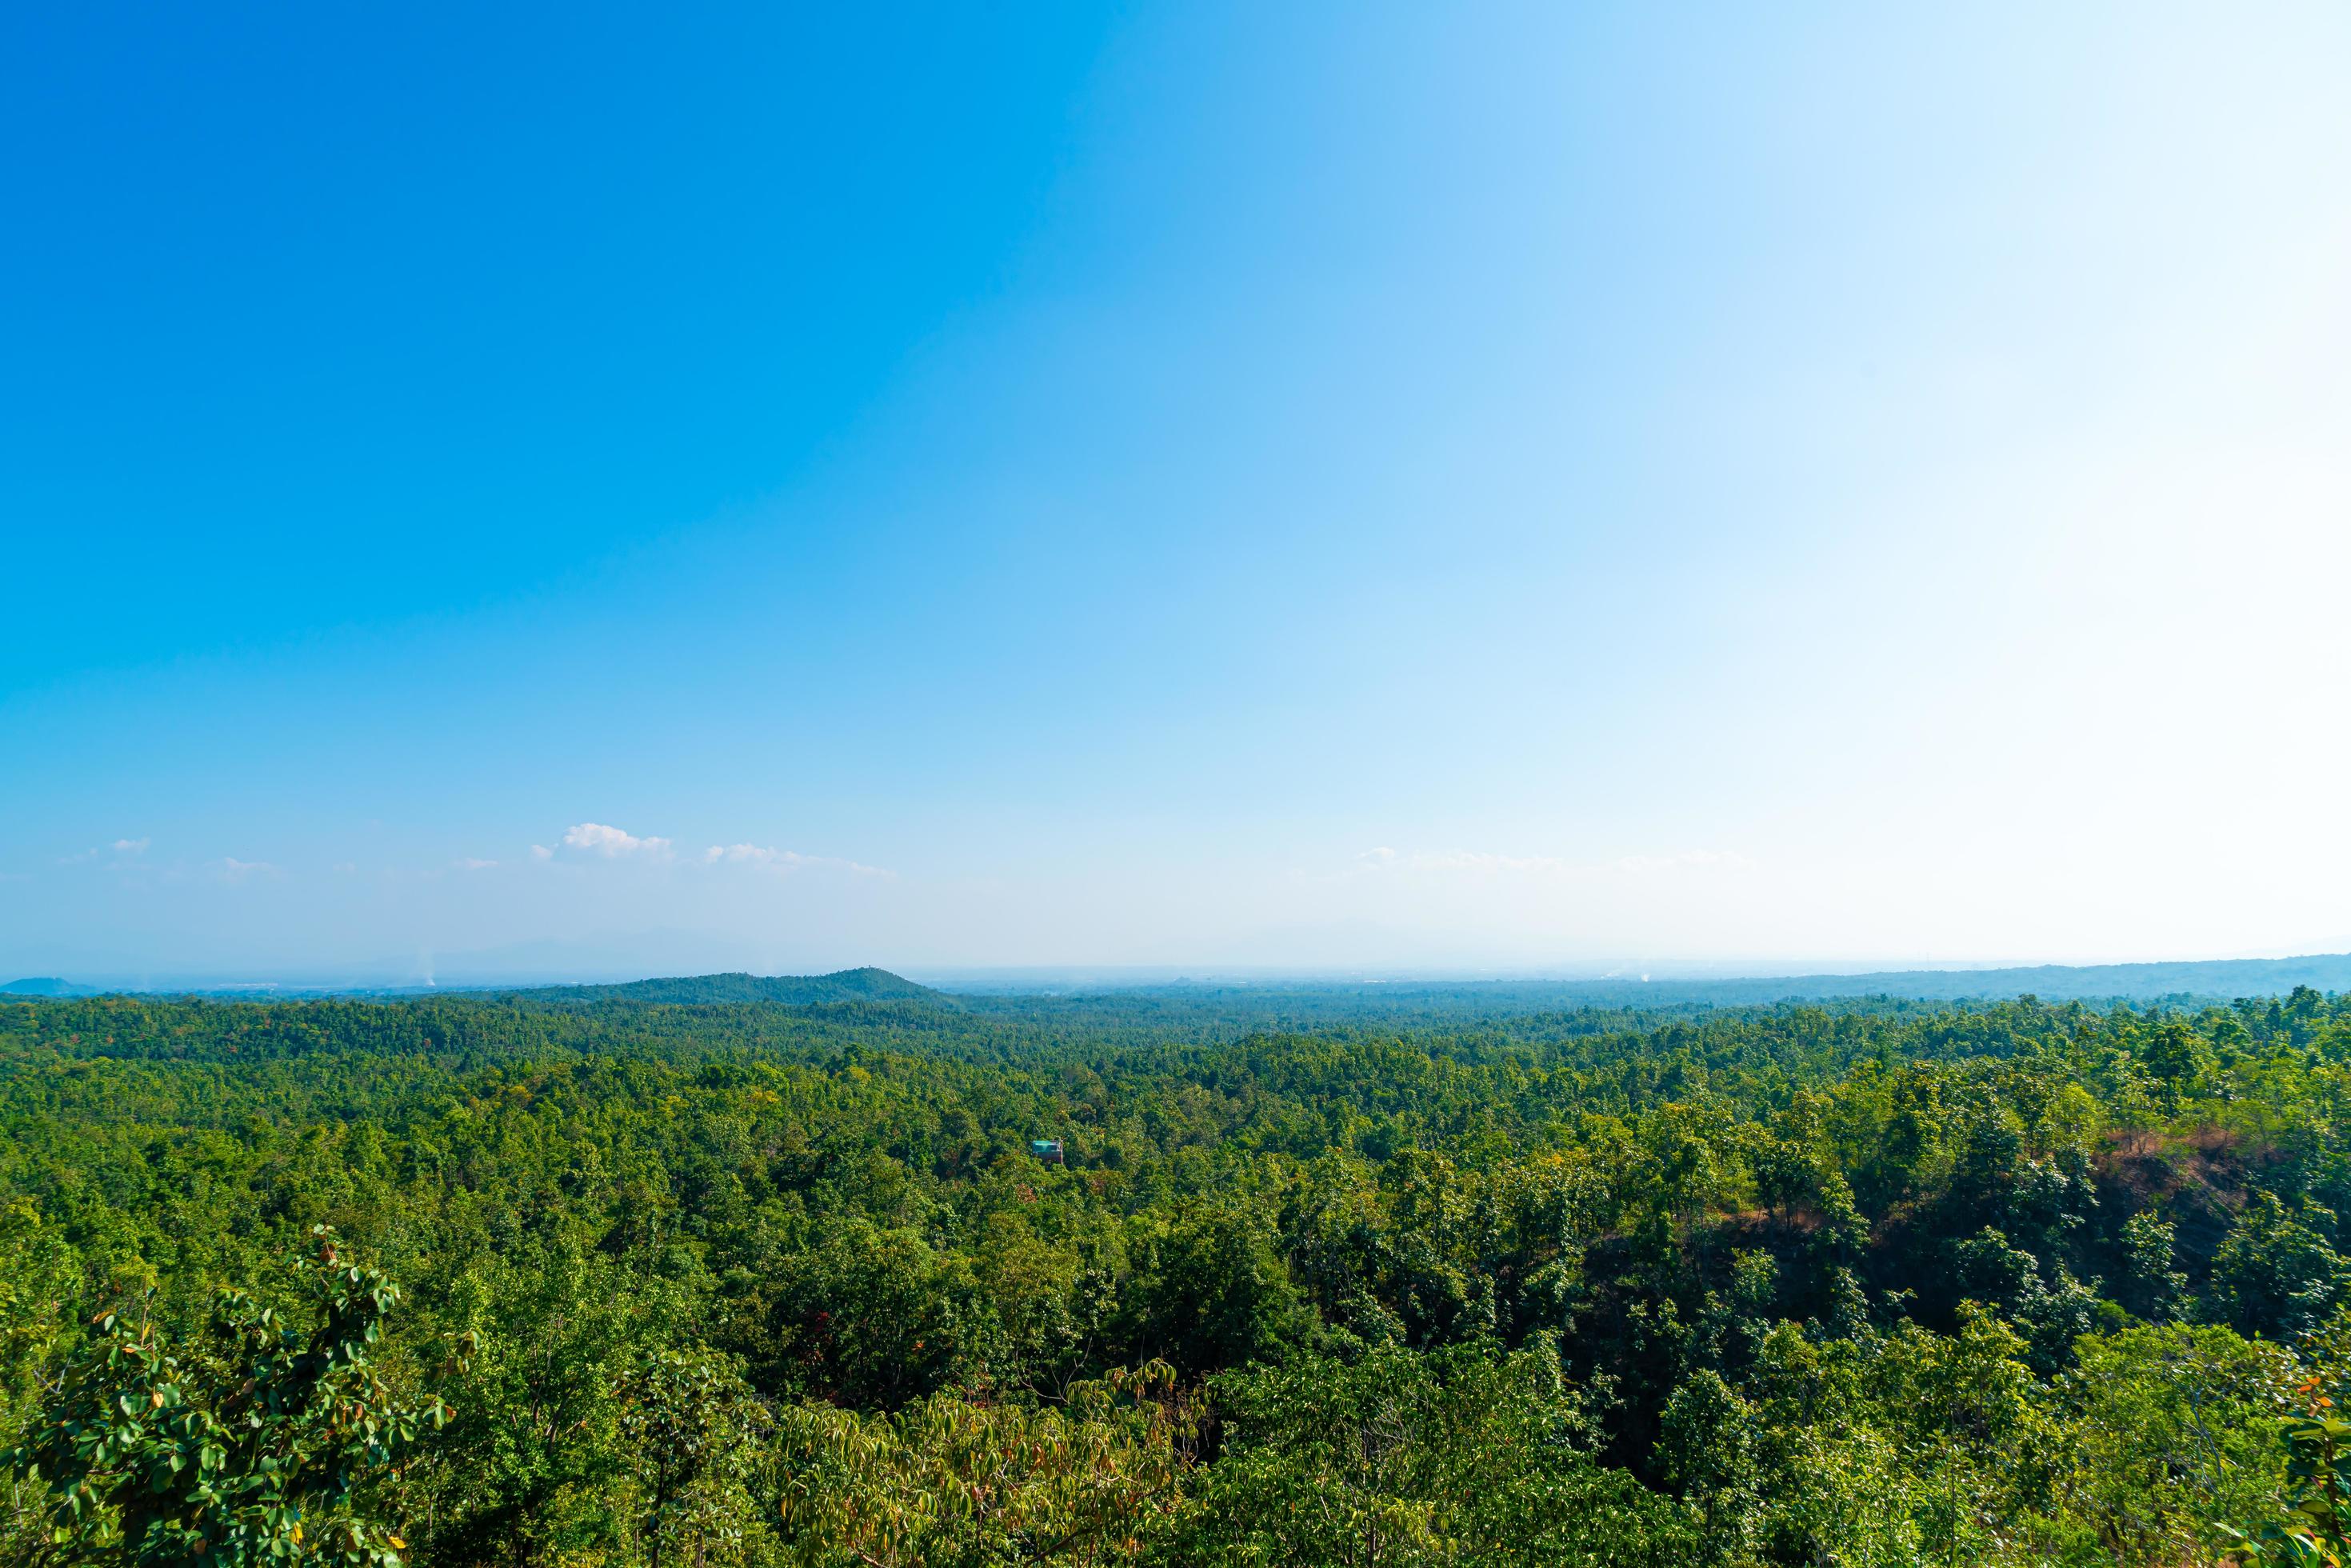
[
  {"x": 46, "y": 985},
  {"x": 865, "y": 984},
  {"x": 1162, "y": 1279}
]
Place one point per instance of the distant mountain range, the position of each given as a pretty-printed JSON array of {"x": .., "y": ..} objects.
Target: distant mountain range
[
  {"x": 2222, "y": 978},
  {"x": 2213, "y": 979}
]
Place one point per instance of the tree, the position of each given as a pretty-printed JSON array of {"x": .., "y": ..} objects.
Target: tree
[
  {"x": 2179, "y": 1056},
  {"x": 2275, "y": 1275},
  {"x": 689, "y": 1424},
  {"x": 1987, "y": 1269},
  {"x": 2168, "y": 1429},
  {"x": 1464, "y": 1456},
  {"x": 530, "y": 1467},
  {"x": 2151, "y": 1286},
  {"x": 2311, "y": 1527},
  {"x": 252, "y": 1442},
  {"x": 861, "y": 1315},
  {"x": 1705, "y": 1454},
  {"x": 1963, "y": 1405},
  {"x": 948, "y": 1481},
  {"x": 35, "y": 1266},
  {"x": 1215, "y": 1294}
]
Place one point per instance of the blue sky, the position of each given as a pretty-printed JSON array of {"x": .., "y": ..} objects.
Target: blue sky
[{"x": 1300, "y": 487}]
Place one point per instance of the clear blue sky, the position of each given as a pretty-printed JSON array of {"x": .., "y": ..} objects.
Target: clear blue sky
[{"x": 1398, "y": 486}]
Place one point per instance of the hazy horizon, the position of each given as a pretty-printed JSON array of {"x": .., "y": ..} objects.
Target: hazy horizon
[
  {"x": 602, "y": 964},
  {"x": 1175, "y": 486}
]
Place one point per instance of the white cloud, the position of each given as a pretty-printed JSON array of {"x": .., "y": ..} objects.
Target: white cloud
[
  {"x": 346, "y": 867},
  {"x": 1483, "y": 862},
  {"x": 468, "y": 863},
  {"x": 234, "y": 870},
  {"x": 541, "y": 853},
  {"x": 597, "y": 837},
  {"x": 784, "y": 859},
  {"x": 121, "y": 849}
]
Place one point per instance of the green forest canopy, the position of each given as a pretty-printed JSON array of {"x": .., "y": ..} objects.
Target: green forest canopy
[{"x": 763, "y": 1270}]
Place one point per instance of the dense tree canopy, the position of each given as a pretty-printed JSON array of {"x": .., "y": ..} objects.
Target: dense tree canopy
[{"x": 692, "y": 1274}]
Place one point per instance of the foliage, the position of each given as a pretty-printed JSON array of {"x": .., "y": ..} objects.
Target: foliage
[
  {"x": 1464, "y": 1456},
  {"x": 2312, "y": 1526},
  {"x": 741, "y": 1271},
  {"x": 2172, "y": 1439},
  {"x": 248, "y": 1445},
  {"x": 688, "y": 1425},
  {"x": 949, "y": 1482}
]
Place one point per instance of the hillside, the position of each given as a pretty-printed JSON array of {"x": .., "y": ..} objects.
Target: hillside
[
  {"x": 863, "y": 984},
  {"x": 46, "y": 985}
]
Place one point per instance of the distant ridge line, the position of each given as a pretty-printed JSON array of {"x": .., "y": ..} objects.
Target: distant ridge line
[
  {"x": 2212, "y": 979},
  {"x": 2223, "y": 979},
  {"x": 860, "y": 985}
]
